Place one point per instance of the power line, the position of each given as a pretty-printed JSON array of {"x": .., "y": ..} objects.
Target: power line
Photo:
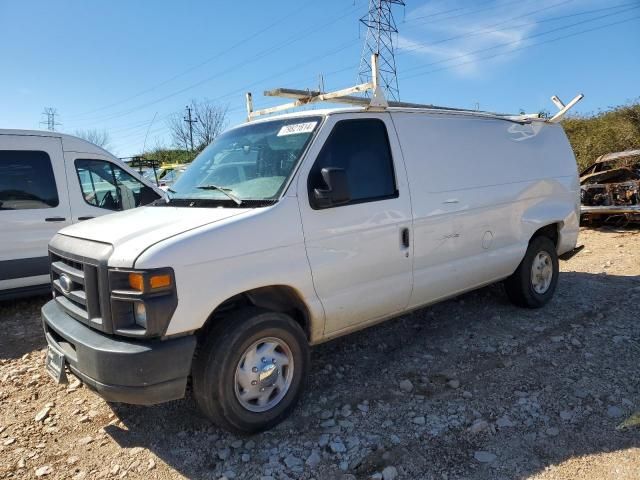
[
  {"x": 500, "y": 45},
  {"x": 489, "y": 29},
  {"x": 463, "y": 14},
  {"x": 442, "y": 12},
  {"x": 195, "y": 67},
  {"x": 381, "y": 26},
  {"x": 339, "y": 48},
  {"x": 285, "y": 43},
  {"x": 51, "y": 113},
  {"x": 477, "y": 32},
  {"x": 551, "y": 40}
]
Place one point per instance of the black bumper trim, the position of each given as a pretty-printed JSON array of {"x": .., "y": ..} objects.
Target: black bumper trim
[
  {"x": 22, "y": 292},
  {"x": 24, "y": 267},
  {"x": 120, "y": 369}
]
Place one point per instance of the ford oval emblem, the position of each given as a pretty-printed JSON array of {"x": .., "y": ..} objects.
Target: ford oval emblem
[{"x": 65, "y": 283}]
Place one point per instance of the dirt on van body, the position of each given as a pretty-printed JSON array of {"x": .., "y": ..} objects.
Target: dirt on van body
[{"x": 470, "y": 388}]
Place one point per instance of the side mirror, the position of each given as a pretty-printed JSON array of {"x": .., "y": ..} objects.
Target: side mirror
[{"x": 337, "y": 192}]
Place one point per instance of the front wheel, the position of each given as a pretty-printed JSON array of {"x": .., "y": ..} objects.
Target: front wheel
[
  {"x": 250, "y": 371},
  {"x": 533, "y": 283}
]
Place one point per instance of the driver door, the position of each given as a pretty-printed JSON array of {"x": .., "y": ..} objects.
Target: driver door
[{"x": 360, "y": 252}]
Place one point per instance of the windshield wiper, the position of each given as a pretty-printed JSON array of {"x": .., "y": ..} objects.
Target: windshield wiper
[{"x": 211, "y": 186}]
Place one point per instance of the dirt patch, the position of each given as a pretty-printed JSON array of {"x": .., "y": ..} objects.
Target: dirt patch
[{"x": 495, "y": 392}]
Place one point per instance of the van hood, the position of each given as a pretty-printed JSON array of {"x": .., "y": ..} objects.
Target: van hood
[{"x": 133, "y": 231}]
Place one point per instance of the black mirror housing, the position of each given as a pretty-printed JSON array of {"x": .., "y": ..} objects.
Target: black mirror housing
[{"x": 337, "y": 192}]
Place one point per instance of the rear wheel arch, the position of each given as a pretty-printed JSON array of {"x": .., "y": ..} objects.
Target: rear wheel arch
[{"x": 551, "y": 231}]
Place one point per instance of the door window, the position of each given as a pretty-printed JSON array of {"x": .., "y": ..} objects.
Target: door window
[
  {"x": 108, "y": 186},
  {"x": 26, "y": 180},
  {"x": 360, "y": 147}
]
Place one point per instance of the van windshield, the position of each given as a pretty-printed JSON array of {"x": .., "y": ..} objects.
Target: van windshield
[{"x": 252, "y": 162}]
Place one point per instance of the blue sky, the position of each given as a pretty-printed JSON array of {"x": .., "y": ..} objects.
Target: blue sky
[{"x": 115, "y": 65}]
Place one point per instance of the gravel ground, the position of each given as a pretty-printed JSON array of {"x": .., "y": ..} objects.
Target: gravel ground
[{"x": 469, "y": 388}]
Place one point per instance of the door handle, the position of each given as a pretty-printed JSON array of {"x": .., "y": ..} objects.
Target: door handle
[
  {"x": 451, "y": 200},
  {"x": 404, "y": 237},
  {"x": 85, "y": 218},
  {"x": 55, "y": 219}
]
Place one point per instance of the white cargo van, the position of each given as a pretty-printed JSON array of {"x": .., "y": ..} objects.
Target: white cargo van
[
  {"x": 50, "y": 180},
  {"x": 292, "y": 230}
]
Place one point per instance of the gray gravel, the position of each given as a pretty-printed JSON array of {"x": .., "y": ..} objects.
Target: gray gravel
[{"x": 470, "y": 388}]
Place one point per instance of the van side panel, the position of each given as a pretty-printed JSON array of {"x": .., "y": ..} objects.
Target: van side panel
[{"x": 480, "y": 188}]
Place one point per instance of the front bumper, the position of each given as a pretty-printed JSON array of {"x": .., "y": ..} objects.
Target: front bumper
[{"x": 120, "y": 369}]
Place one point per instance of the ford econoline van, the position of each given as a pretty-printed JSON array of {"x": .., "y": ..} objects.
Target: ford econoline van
[
  {"x": 49, "y": 180},
  {"x": 292, "y": 230}
]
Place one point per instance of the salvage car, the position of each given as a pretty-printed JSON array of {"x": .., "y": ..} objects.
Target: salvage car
[{"x": 610, "y": 188}]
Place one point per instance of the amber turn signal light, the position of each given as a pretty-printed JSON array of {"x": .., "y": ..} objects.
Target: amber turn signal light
[
  {"x": 160, "y": 281},
  {"x": 136, "y": 281}
]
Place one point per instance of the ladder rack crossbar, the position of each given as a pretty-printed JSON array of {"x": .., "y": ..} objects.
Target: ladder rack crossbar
[{"x": 307, "y": 98}]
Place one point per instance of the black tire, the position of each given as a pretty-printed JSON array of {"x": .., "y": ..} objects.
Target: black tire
[
  {"x": 519, "y": 286},
  {"x": 214, "y": 369}
]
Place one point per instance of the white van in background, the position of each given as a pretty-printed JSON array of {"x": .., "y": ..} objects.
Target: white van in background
[{"x": 49, "y": 180}]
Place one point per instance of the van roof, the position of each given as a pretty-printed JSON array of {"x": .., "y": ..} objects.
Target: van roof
[{"x": 71, "y": 143}]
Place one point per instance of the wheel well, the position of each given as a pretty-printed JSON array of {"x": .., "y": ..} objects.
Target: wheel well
[
  {"x": 550, "y": 231},
  {"x": 277, "y": 298}
]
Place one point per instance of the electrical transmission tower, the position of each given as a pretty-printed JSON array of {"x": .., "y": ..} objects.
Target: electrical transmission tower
[
  {"x": 380, "y": 29},
  {"x": 51, "y": 118},
  {"x": 190, "y": 121}
]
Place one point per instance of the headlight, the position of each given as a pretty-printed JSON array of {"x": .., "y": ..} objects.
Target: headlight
[
  {"x": 142, "y": 301},
  {"x": 140, "y": 314}
]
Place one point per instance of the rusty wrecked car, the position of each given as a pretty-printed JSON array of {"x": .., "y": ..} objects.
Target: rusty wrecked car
[{"x": 610, "y": 188}]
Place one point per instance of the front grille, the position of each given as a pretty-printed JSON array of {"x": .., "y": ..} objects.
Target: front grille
[{"x": 76, "y": 289}]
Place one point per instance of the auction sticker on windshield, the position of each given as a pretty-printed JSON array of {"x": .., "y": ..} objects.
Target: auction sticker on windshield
[{"x": 296, "y": 128}]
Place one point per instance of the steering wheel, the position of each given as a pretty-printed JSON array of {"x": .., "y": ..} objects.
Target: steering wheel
[{"x": 107, "y": 201}]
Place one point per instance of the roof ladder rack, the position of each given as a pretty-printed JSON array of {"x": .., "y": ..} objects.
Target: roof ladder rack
[
  {"x": 304, "y": 97},
  {"x": 379, "y": 102}
]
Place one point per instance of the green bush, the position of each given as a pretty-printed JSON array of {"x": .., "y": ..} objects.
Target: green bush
[{"x": 612, "y": 130}]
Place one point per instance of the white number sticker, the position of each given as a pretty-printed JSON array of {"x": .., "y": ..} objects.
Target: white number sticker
[{"x": 296, "y": 128}]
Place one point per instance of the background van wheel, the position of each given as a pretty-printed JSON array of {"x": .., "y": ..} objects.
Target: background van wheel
[
  {"x": 533, "y": 283},
  {"x": 251, "y": 369}
]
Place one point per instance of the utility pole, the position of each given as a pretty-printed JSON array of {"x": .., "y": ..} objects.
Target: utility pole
[
  {"x": 379, "y": 40},
  {"x": 190, "y": 121},
  {"x": 51, "y": 118}
]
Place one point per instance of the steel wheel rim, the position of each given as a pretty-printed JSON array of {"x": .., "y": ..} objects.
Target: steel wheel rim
[
  {"x": 541, "y": 272},
  {"x": 263, "y": 374}
]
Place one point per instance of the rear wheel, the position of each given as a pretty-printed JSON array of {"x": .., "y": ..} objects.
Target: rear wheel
[
  {"x": 534, "y": 282},
  {"x": 250, "y": 371}
]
